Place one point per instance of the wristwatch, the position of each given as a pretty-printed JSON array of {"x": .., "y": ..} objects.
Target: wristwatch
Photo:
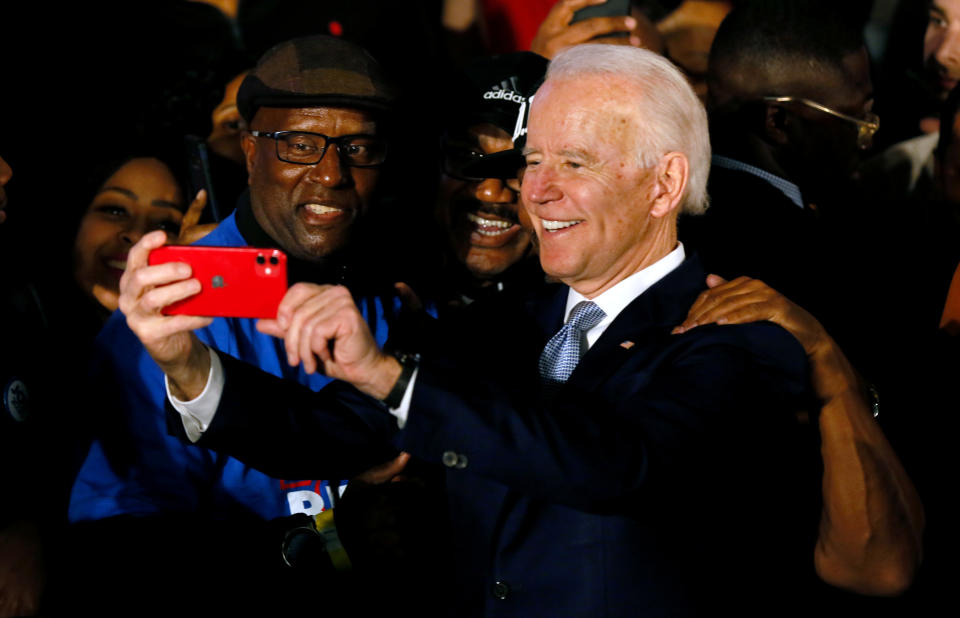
[{"x": 409, "y": 363}]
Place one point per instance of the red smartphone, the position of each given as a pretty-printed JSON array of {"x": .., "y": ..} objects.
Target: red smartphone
[{"x": 237, "y": 282}]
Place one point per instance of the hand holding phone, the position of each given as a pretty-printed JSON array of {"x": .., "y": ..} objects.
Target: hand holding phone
[
  {"x": 144, "y": 291},
  {"x": 572, "y": 22},
  {"x": 241, "y": 282}
]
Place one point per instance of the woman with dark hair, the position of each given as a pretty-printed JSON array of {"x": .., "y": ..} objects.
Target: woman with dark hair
[
  {"x": 139, "y": 195},
  {"x": 54, "y": 301}
]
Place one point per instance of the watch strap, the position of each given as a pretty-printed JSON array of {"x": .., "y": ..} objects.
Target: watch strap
[{"x": 408, "y": 363}]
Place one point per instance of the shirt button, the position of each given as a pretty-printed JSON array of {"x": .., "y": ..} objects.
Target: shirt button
[
  {"x": 501, "y": 591},
  {"x": 461, "y": 462},
  {"x": 450, "y": 459}
]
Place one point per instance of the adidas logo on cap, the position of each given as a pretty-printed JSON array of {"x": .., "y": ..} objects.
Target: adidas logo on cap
[{"x": 507, "y": 95}]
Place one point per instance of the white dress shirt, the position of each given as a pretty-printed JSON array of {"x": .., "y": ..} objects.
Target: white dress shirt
[{"x": 616, "y": 299}]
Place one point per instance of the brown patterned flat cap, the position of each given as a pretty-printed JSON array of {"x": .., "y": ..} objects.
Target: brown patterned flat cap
[{"x": 315, "y": 71}]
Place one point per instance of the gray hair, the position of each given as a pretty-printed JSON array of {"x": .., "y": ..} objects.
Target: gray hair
[{"x": 671, "y": 116}]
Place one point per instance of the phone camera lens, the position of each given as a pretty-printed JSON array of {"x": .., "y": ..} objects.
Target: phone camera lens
[
  {"x": 274, "y": 260},
  {"x": 261, "y": 259}
]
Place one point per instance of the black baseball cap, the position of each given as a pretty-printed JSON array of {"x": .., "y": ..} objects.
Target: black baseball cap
[{"x": 496, "y": 89}]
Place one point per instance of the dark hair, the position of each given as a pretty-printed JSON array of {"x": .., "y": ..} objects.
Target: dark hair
[
  {"x": 764, "y": 33},
  {"x": 114, "y": 156},
  {"x": 105, "y": 160}
]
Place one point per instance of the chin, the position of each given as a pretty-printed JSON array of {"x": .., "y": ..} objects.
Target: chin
[
  {"x": 485, "y": 267},
  {"x": 557, "y": 266},
  {"x": 485, "y": 271}
]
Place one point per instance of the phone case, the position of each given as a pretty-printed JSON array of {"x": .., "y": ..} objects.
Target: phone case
[
  {"x": 611, "y": 8},
  {"x": 238, "y": 282}
]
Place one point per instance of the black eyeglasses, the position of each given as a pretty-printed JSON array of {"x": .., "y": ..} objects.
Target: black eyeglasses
[
  {"x": 305, "y": 148},
  {"x": 866, "y": 126},
  {"x": 458, "y": 160},
  {"x": 456, "y": 157}
]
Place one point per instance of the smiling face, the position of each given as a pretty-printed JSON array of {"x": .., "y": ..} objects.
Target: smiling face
[
  {"x": 599, "y": 216},
  {"x": 941, "y": 45},
  {"x": 308, "y": 210},
  {"x": 482, "y": 217},
  {"x": 141, "y": 196}
]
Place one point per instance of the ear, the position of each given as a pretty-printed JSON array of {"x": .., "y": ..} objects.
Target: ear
[
  {"x": 249, "y": 145},
  {"x": 672, "y": 172},
  {"x": 775, "y": 124}
]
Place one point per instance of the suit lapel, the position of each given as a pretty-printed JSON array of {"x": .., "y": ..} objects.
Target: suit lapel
[
  {"x": 547, "y": 311},
  {"x": 651, "y": 316}
]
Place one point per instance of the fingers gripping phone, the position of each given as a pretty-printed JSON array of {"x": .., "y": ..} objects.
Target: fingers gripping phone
[{"x": 237, "y": 282}]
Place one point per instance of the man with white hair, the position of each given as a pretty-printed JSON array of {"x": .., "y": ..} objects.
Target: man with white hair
[{"x": 596, "y": 464}]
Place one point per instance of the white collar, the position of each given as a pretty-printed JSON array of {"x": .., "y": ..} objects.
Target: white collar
[{"x": 615, "y": 300}]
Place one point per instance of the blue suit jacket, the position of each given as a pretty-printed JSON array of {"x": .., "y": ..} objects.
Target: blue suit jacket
[{"x": 667, "y": 477}]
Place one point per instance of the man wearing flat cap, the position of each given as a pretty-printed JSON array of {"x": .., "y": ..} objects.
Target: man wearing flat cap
[{"x": 316, "y": 108}]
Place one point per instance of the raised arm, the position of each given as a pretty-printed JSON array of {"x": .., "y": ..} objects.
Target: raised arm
[
  {"x": 872, "y": 519},
  {"x": 557, "y": 32},
  {"x": 144, "y": 291}
]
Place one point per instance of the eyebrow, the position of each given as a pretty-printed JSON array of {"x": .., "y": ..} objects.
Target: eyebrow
[
  {"x": 583, "y": 155},
  {"x": 134, "y": 196},
  {"x": 168, "y": 204},
  {"x": 121, "y": 190}
]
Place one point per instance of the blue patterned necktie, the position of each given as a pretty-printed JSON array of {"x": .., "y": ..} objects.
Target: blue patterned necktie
[{"x": 562, "y": 353}]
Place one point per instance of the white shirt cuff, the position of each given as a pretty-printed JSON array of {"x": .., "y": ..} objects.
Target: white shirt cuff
[
  {"x": 403, "y": 410},
  {"x": 197, "y": 414}
]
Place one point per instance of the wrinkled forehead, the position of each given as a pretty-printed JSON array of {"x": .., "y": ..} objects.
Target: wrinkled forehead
[{"x": 596, "y": 107}]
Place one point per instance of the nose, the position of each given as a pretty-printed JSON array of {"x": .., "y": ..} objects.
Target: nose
[
  {"x": 133, "y": 231},
  {"x": 539, "y": 186},
  {"x": 330, "y": 171},
  {"x": 948, "y": 54},
  {"x": 494, "y": 191}
]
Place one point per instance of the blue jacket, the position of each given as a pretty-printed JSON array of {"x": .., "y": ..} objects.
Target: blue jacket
[{"x": 134, "y": 468}]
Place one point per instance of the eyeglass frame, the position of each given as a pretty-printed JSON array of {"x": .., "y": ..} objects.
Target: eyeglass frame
[
  {"x": 276, "y": 136},
  {"x": 445, "y": 148},
  {"x": 866, "y": 127}
]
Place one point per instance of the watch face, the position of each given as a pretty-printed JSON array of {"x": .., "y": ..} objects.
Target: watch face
[
  {"x": 16, "y": 400},
  {"x": 301, "y": 544},
  {"x": 407, "y": 359}
]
